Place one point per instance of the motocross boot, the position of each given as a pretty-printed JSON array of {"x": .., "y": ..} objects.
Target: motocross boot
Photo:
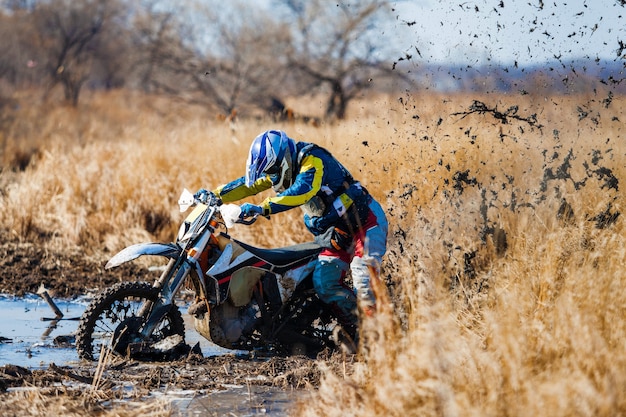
[
  {"x": 328, "y": 280},
  {"x": 346, "y": 335}
]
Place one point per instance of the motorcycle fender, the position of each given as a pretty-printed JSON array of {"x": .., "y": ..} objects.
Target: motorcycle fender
[
  {"x": 202, "y": 325},
  {"x": 168, "y": 250}
]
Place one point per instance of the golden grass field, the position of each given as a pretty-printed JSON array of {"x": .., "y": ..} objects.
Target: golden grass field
[{"x": 506, "y": 251}]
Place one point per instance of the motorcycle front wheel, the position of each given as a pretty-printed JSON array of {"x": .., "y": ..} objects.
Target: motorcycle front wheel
[{"x": 114, "y": 312}]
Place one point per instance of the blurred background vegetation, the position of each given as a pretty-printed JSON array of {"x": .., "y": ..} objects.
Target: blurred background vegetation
[{"x": 250, "y": 58}]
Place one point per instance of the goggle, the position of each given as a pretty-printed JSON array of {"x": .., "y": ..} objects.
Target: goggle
[{"x": 273, "y": 170}]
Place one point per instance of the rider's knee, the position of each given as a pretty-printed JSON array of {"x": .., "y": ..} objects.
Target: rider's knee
[
  {"x": 362, "y": 269},
  {"x": 327, "y": 277}
]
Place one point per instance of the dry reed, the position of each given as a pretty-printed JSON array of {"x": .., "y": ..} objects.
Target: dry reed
[
  {"x": 34, "y": 403},
  {"x": 506, "y": 254}
]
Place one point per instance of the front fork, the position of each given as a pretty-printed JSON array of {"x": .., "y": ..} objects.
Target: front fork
[{"x": 170, "y": 285}]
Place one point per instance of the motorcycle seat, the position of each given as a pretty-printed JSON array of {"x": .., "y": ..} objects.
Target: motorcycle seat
[{"x": 285, "y": 255}]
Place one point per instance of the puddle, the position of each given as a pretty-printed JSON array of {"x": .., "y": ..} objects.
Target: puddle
[
  {"x": 30, "y": 337},
  {"x": 239, "y": 401},
  {"x": 27, "y": 333}
]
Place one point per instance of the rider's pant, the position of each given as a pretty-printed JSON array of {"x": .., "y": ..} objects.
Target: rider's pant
[
  {"x": 364, "y": 258},
  {"x": 370, "y": 247},
  {"x": 328, "y": 281}
]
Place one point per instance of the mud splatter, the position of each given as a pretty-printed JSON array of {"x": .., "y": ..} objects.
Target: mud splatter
[{"x": 504, "y": 117}]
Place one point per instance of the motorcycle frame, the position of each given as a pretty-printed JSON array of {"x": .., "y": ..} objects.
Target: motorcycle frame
[{"x": 176, "y": 272}]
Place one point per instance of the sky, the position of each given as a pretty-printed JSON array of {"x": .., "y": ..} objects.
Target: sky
[{"x": 508, "y": 31}]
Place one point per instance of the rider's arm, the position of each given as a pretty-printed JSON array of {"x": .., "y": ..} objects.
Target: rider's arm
[
  {"x": 236, "y": 190},
  {"x": 306, "y": 185}
]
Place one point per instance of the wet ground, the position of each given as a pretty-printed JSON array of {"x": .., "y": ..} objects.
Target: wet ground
[
  {"x": 30, "y": 338},
  {"x": 66, "y": 273},
  {"x": 37, "y": 350},
  {"x": 37, "y": 353}
]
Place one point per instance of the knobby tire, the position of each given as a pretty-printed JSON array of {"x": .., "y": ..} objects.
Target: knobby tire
[{"x": 113, "y": 305}]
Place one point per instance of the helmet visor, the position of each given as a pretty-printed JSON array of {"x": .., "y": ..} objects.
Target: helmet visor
[{"x": 261, "y": 160}]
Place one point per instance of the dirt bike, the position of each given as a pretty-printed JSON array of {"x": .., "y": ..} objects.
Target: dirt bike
[{"x": 245, "y": 297}]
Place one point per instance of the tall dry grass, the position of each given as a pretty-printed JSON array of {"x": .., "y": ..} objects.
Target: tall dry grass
[
  {"x": 506, "y": 253},
  {"x": 34, "y": 403}
]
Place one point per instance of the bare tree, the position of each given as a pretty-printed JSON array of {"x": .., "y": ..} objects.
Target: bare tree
[
  {"x": 70, "y": 36},
  {"x": 8, "y": 52},
  {"x": 226, "y": 58},
  {"x": 339, "y": 45},
  {"x": 234, "y": 56},
  {"x": 247, "y": 64},
  {"x": 158, "y": 48}
]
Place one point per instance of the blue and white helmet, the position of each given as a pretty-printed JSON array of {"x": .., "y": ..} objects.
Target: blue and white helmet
[{"x": 270, "y": 155}]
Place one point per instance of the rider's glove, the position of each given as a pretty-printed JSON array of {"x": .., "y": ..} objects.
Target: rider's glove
[
  {"x": 316, "y": 225},
  {"x": 207, "y": 197},
  {"x": 202, "y": 195},
  {"x": 250, "y": 210}
]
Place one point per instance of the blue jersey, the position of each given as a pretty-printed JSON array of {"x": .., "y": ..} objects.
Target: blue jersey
[{"x": 316, "y": 173}]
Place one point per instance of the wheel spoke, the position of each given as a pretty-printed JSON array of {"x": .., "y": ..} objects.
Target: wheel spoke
[{"x": 115, "y": 307}]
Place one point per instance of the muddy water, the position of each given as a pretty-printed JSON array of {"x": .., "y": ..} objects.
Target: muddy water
[
  {"x": 27, "y": 333},
  {"x": 239, "y": 401},
  {"x": 30, "y": 337}
]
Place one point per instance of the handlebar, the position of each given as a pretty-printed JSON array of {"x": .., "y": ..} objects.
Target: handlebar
[
  {"x": 231, "y": 213},
  {"x": 248, "y": 221}
]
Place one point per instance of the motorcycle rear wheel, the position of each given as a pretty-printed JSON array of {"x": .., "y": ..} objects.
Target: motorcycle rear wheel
[
  {"x": 118, "y": 306},
  {"x": 304, "y": 327},
  {"x": 311, "y": 329}
]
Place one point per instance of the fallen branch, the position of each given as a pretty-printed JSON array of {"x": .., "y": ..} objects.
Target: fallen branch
[{"x": 69, "y": 374}]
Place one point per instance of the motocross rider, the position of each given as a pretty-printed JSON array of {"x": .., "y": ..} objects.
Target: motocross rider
[{"x": 339, "y": 211}]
